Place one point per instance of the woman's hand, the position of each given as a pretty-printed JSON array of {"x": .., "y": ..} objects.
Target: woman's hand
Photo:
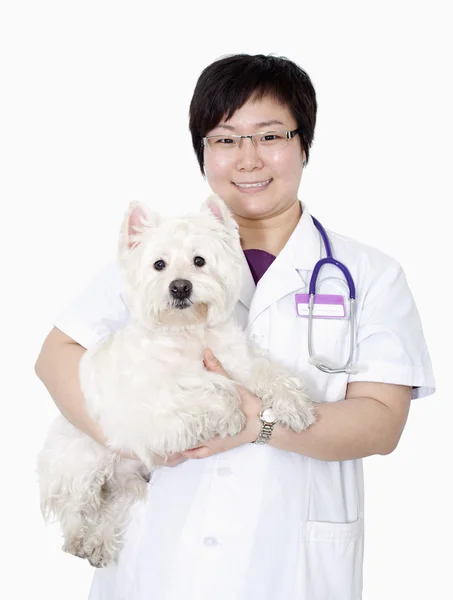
[
  {"x": 173, "y": 460},
  {"x": 251, "y": 406}
]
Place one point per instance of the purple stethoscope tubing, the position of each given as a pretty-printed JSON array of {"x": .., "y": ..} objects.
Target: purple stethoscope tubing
[
  {"x": 319, "y": 362},
  {"x": 329, "y": 260}
]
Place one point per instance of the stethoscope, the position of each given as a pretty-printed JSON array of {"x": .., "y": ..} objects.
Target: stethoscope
[{"x": 317, "y": 361}]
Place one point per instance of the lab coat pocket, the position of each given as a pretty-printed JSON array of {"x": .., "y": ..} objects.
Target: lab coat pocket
[
  {"x": 330, "y": 339},
  {"x": 332, "y": 560}
]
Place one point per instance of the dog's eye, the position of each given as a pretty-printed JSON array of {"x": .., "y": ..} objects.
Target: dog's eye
[
  {"x": 159, "y": 265},
  {"x": 199, "y": 261}
]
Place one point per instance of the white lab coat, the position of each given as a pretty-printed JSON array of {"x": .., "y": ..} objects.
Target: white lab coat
[{"x": 257, "y": 522}]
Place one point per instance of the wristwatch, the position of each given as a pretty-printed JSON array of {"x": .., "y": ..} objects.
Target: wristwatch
[{"x": 268, "y": 420}]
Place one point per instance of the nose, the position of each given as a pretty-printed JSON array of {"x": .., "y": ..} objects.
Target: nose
[
  {"x": 248, "y": 156},
  {"x": 180, "y": 288}
]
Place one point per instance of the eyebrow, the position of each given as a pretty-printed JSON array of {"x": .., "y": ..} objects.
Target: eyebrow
[{"x": 262, "y": 124}]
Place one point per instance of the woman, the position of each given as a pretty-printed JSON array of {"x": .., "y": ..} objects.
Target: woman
[{"x": 281, "y": 520}]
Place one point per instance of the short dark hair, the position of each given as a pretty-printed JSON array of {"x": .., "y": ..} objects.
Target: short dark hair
[{"x": 229, "y": 82}]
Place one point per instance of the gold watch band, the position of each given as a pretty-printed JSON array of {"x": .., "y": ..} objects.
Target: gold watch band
[{"x": 265, "y": 433}]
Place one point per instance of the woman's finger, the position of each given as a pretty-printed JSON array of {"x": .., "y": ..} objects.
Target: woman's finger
[
  {"x": 200, "y": 452},
  {"x": 170, "y": 461},
  {"x": 212, "y": 363}
]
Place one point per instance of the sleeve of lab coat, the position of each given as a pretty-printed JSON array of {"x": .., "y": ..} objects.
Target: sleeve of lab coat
[
  {"x": 390, "y": 345},
  {"x": 97, "y": 312}
]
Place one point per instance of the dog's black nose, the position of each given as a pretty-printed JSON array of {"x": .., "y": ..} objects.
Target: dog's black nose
[{"x": 180, "y": 288}]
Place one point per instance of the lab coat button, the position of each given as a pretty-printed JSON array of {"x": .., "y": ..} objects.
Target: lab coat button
[
  {"x": 224, "y": 471},
  {"x": 210, "y": 541}
]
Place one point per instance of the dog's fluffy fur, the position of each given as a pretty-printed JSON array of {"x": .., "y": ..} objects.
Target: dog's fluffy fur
[{"x": 146, "y": 385}]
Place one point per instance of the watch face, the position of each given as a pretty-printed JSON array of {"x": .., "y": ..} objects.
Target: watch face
[{"x": 268, "y": 415}]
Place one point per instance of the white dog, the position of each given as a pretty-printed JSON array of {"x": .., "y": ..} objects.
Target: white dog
[{"x": 146, "y": 385}]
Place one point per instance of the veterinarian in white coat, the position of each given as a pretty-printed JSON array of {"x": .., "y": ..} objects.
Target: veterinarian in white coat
[{"x": 283, "y": 520}]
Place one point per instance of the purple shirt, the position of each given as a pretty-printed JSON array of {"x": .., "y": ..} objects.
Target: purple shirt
[{"x": 259, "y": 261}]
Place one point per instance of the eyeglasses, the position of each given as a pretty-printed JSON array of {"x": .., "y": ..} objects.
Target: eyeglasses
[{"x": 265, "y": 141}]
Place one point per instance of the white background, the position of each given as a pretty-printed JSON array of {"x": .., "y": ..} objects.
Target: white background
[{"x": 94, "y": 113}]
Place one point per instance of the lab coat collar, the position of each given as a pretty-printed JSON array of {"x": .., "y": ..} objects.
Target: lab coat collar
[
  {"x": 301, "y": 252},
  {"x": 248, "y": 284},
  {"x": 303, "y": 249}
]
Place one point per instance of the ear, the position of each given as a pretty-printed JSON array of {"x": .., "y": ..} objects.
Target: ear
[
  {"x": 138, "y": 217},
  {"x": 216, "y": 206}
]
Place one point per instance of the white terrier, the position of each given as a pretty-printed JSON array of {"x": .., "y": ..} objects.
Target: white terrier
[{"x": 146, "y": 385}]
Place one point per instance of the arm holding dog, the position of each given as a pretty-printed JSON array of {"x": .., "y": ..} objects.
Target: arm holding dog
[
  {"x": 369, "y": 421},
  {"x": 57, "y": 366}
]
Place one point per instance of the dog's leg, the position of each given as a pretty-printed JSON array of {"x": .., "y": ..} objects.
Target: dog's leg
[
  {"x": 80, "y": 509},
  {"x": 282, "y": 391},
  {"x": 104, "y": 537},
  {"x": 72, "y": 469},
  {"x": 75, "y": 528}
]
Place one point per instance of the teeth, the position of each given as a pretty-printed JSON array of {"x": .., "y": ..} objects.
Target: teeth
[{"x": 249, "y": 185}]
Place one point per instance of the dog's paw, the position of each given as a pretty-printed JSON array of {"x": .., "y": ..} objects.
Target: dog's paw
[
  {"x": 292, "y": 407},
  {"x": 231, "y": 425},
  {"x": 99, "y": 555},
  {"x": 75, "y": 546},
  {"x": 298, "y": 420}
]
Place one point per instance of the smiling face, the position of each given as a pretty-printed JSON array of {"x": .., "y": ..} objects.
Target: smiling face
[{"x": 281, "y": 167}]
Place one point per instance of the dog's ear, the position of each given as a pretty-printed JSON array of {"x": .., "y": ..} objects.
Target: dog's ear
[
  {"x": 215, "y": 205},
  {"x": 138, "y": 217}
]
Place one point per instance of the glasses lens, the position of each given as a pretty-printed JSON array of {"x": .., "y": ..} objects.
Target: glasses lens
[
  {"x": 222, "y": 143},
  {"x": 271, "y": 140}
]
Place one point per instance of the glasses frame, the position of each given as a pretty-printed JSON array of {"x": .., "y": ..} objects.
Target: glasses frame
[{"x": 289, "y": 135}]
